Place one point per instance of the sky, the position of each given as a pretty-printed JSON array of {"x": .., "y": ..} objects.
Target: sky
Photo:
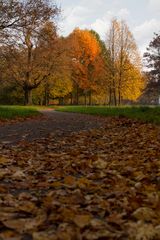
[{"x": 142, "y": 17}]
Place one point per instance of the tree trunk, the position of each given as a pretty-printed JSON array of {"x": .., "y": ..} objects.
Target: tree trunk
[
  {"x": 71, "y": 102},
  {"x": 114, "y": 92},
  {"x": 77, "y": 95},
  {"x": 46, "y": 99},
  {"x": 110, "y": 96},
  {"x": 85, "y": 99},
  {"x": 61, "y": 101},
  {"x": 119, "y": 97},
  {"x": 27, "y": 86},
  {"x": 90, "y": 98},
  {"x": 115, "y": 99},
  {"x": 27, "y": 96},
  {"x": 41, "y": 101}
]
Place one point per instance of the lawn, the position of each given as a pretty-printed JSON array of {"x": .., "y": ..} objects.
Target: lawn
[
  {"x": 143, "y": 113},
  {"x": 12, "y": 112}
]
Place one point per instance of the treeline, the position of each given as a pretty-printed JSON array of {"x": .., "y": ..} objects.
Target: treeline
[{"x": 39, "y": 66}]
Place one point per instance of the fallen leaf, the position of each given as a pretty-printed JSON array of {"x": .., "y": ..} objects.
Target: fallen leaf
[
  {"x": 18, "y": 175},
  {"x": 100, "y": 164},
  {"x": 144, "y": 213},
  {"x": 82, "y": 220},
  {"x": 9, "y": 235},
  {"x": 100, "y": 234},
  {"x": 44, "y": 236}
]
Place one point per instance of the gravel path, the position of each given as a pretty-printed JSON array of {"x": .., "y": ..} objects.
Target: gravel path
[{"x": 52, "y": 123}]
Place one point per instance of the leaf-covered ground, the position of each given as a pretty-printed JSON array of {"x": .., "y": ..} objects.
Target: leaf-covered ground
[{"x": 92, "y": 185}]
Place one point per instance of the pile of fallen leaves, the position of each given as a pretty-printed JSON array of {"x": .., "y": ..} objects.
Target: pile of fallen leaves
[{"x": 97, "y": 184}]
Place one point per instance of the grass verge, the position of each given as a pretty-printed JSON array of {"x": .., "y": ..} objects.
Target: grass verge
[
  {"x": 13, "y": 112},
  {"x": 143, "y": 113}
]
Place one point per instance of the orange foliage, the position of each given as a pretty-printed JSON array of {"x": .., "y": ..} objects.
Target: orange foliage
[{"x": 85, "y": 58}]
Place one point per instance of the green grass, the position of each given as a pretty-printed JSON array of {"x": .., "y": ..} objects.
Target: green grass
[
  {"x": 13, "y": 112},
  {"x": 143, "y": 113}
]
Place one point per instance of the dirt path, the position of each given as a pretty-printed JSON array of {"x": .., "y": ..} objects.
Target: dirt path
[{"x": 52, "y": 123}]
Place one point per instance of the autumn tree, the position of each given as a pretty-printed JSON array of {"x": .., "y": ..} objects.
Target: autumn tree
[
  {"x": 133, "y": 82},
  {"x": 122, "y": 50},
  {"x": 10, "y": 16},
  {"x": 57, "y": 83},
  {"x": 84, "y": 51},
  {"x": 46, "y": 51},
  {"x": 103, "y": 83},
  {"x": 27, "y": 67}
]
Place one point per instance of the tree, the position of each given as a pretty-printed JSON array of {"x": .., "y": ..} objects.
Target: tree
[
  {"x": 103, "y": 75},
  {"x": 122, "y": 50},
  {"x": 152, "y": 62},
  {"x": 27, "y": 56},
  {"x": 10, "y": 16},
  {"x": 84, "y": 51},
  {"x": 133, "y": 82},
  {"x": 112, "y": 44},
  {"x": 152, "y": 58}
]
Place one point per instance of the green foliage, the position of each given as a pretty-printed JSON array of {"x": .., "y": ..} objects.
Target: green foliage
[
  {"x": 145, "y": 114},
  {"x": 61, "y": 86},
  {"x": 12, "y": 112}
]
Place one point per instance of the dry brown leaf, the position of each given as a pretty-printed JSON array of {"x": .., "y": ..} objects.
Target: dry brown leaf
[
  {"x": 27, "y": 206},
  {"x": 70, "y": 180},
  {"x": 4, "y": 160},
  {"x": 142, "y": 231},
  {"x": 82, "y": 220},
  {"x": 9, "y": 235},
  {"x": 100, "y": 164},
  {"x": 144, "y": 213},
  {"x": 18, "y": 175},
  {"x": 100, "y": 234},
  {"x": 22, "y": 225},
  {"x": 44, "y": 236}
]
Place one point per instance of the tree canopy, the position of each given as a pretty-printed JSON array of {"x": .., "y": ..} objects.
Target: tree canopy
[{"x": 42, "y": 67}]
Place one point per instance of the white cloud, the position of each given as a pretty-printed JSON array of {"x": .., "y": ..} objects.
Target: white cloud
[
  {"x": 143, "y": 19},
  {"x": 123, "y": 13},
  {"x": 144, "y": 33},
  {"x": 154, "y": 5},
  {"x": 74, "y": 17},
  {"x": 101, "y": 26},
  {"x": 146, "y": 29},
  {"x": 81, "y": 16}
]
